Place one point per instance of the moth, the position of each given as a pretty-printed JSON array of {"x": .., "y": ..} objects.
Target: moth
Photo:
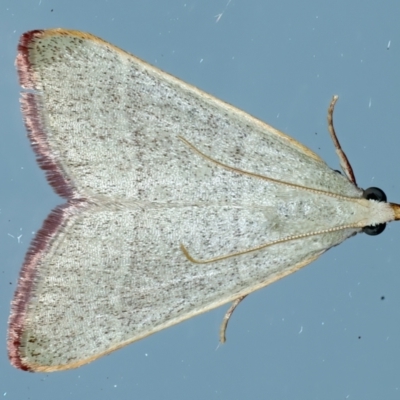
[{"x": 176, "y": 202}]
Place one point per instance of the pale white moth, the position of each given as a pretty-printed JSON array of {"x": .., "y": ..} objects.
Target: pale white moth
[{"x": 177, "y": 202}]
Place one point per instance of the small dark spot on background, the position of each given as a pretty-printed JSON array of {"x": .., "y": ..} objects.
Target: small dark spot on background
[
  {"x": 359, "y": 337},
  {"x": 382, "y": 297}
]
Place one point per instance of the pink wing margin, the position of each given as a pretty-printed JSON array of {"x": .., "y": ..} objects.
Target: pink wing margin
[{"x": 32, "y": 107}]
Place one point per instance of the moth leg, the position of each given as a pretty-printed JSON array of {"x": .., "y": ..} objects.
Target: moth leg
[
  {"x": 227, "y": 316},
  {"x": 344, "y": 162}
]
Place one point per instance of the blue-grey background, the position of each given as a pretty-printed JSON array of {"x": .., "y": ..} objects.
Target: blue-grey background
[{"x": 330, "y": 331}]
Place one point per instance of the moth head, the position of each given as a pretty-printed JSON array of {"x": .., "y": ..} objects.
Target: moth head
[{"x": 376, "y": 194}]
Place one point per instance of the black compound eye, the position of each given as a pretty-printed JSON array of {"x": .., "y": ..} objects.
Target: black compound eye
[
  {"x": 374, "y": 230},
  {"x": 376, "y": 194}
]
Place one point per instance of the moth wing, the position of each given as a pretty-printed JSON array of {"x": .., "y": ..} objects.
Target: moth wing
[
  {"x": 105, "y": 123},
  {"x": 107, "y": 269},
  {"x": 99, "y": 278}
]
